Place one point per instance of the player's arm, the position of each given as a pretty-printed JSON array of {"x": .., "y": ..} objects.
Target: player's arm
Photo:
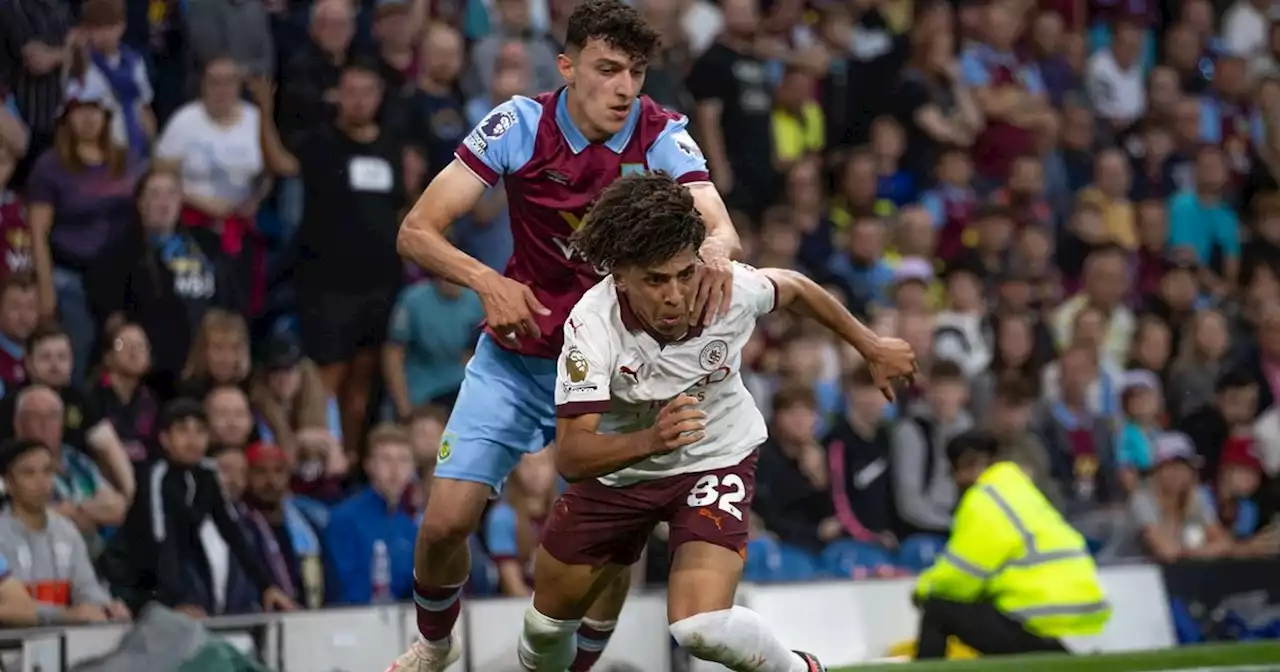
[
  {"x": 798, "y": 294},
  {"x": 676, "y": 153}
]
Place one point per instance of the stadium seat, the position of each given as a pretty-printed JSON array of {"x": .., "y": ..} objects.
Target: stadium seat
[
  {"x": 919, "y": 550},
  {"x": 770, "y": 561},
  {"x": 484, "y": 573},
  {"x": 850, "y": 558}
]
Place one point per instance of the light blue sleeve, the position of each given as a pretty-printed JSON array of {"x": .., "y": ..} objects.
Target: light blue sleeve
[
  {"x": 1227, "y": 232},
  {"x": 503, "y": 141},
  {"x": 333, "y": 418},
  {"x": 500, "y": 532},
  {"x": 932, "y": 204},
  {"x": 973, "y": 71},
  {"x": 1210, "y": 122},
  {"x": 1032, "y": 79},
  {"x": 400, "y": 329},
  {"x": 676, "y": 154}
]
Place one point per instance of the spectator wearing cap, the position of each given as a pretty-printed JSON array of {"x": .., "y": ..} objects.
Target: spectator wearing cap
[
  {"x": 372, "y": 519},
  {"x": 164, "y": 277},
  {"x": 213, "y": 144},
  {"x": 127, "y": 402},
  {"x": 219, "y": 355},
  {"x": 287, "y": 544},
  {"x": 1235, "y": 495},
  {"x": 1203, "y": 355},
  {"x": 118, "y": 70},
  {"x": 79, "y": 199},
  {"x": 82, "y": 494},
  {"x": 1141, "y": 411},
  {"x": 49, "y": 554},
  {"x": 1173, "y": 518},
  {"x": 296, "y": 412},
  {"x": 19, "y": 314},
  {"x": 432, "y": 329},
  {"x": 181, "y": 543},
  {"x": 239, "y": 30},
  {"x": 1201, "y": 220}
]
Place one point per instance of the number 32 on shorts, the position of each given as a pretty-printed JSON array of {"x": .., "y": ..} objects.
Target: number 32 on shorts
[{"x": 723, "y": 493}]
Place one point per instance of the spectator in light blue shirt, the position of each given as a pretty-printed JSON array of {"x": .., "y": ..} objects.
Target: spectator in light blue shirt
[
  {"x": 433, "y": 327},
  {"x": 1202, "y": 222}
]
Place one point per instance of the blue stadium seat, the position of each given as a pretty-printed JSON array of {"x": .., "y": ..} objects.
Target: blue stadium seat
[
  {"x": 846, "y": 557},
  {"x": 484, "y": 573},
  {"x": 770, "y": 561},
  {"x": 919, "y": 551}
]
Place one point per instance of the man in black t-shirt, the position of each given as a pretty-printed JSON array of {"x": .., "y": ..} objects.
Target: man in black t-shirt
[
  {"x": 345, "y": 266},
  {"x": 733, "y": 113},
  {"x": 48, "y": 362}
]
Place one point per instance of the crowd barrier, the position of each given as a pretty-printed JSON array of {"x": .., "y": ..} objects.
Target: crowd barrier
[{"x": 843, "y": 622}]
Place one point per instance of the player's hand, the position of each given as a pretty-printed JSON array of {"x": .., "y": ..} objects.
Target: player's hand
[
  {"x": 679, "y": 424},
  {"x": 509, "y": 307},
  {"x": 890, "y": 360},
  {"x": 714, "y": 290}
]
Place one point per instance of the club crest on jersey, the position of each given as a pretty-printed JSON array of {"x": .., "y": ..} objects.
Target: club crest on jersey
[
  {"x": 575, "y": 364},
  {"x": 497, "y": 124},
  {"x": 446, "y": 447},
  {"x": 632, "y": 169},
  {"x": 712, "y": 356}
]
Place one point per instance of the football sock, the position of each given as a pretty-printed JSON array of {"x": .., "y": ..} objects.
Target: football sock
[
  {"x": 546, "y": 644},
  {"x": 593, "y": 636},
  {"x": 438, "y": 608},
  {"x": 736, "y": 638}
]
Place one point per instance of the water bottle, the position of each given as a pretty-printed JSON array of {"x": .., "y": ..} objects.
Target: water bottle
[{"x": 380, "y": 574}]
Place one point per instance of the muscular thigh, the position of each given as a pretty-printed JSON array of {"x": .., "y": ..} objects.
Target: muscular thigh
[{"x": 594, "y": 525}]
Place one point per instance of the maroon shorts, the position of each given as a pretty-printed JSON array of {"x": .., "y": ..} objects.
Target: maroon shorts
[{"x": 594, "y": 524}]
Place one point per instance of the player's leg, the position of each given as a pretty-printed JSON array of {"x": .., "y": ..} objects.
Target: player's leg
[
  {"x": 597, "y": 626},
  {"x": 490, "y": 428},
  {"x": 593, "y": 535},
  {"x": 709, "y": 530}
]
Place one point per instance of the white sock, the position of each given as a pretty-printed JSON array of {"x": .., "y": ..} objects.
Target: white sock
[
  {"x": 547, "y": 644},
  {"x": 737, "y": 639}
]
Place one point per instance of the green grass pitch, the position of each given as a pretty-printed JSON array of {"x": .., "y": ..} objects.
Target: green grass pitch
[{"x": 1250, "y": 657}]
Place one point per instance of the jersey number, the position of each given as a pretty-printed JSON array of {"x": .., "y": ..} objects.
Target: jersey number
[{"x": 707, "y": 491}]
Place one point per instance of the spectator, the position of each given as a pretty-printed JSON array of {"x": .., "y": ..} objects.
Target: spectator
[
  {"x": 287, "y": 544},
  {"x": 219, "y": 355},
  {"x": 346, "y": 279},
  {"x": 370, "y": 533},
  {"x": 1202, "y": 357},
  {"x": 1245, "y": 27},
  {"x": 1234, "y": 496},
  {"x": 664, "y": 78},
  {"x": 732, "y": 113},
  {"x": 51, "y": 556},
  {"x": 238, "y": 31},
  {"x": 513, "y": 526},
  {"x": 105, "y": 63},
  {"x": 1201, "y": 221},
  {"x": 48, "y": 363},
  {"x": 437, "y": 108},
  {"x": 83, "y": 496},
  {"x": 19, "y": 312},
  {"x": 15, "y": 235},
  {"x": 923, "y": 491},
  {"x": 953, "y": 203},
  {"x": 792, "y": 482},
  {"x": 1010, "y": 422},
  {"x": 78, "y": 200},
  {"x": 159, "y": 271},
  {"x": 212, "y": 143},
  {"x": 1151, "y": 147},
  {"x": 1110, "y": 193},
  {"x": 233, "y": 472},
  {"x": 1152, "y": 346},
  {"x": 125, "y": 399},
  {"x": 1114, "y": 78},
  {"x": 309, "y": 93},
  {"x": 1175, "y": 520},
  {"x": 1264, "y": 360},
  {"x": 230, "y": 420},
  {"x": 396, "y": 28},
  {"x": 1235, "y": 403},
  {"x": 1104, "y": 286},
  {"x": 857, "y": 447},
  {"x": 958, "y": 329},
  {"x": 17, "y": 609},
  {"x": 1080, "y": 440},
  {"x": 934, "y": 106},
  {"x": 181, "y": 542},
  {"x": 1141, "y": 410},
  {"x": 514, "y": 26},
  {"x": 1153, "y": 253},
  {"x": 1263, "y": 248},
  {"x": 432, "y": 330},
  {"x": 798, "y": 126},
  {"x": 39, "y": 46},
  {"x": 1018, "y": 351}
]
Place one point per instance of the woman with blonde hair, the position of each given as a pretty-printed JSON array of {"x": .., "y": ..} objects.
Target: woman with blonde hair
[
  {"x": 219, "y": 355},
  {"x": 1202, "y": 357},
  {"x": 296, "y": 412}
]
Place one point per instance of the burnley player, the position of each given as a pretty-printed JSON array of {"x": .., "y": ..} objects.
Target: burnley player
[
  {"x": 654, "y": 424},
  {"x": 553, "y": 154}
]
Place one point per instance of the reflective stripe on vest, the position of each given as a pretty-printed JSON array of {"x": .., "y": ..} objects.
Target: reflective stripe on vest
[{"x": 1033, "y": 556}]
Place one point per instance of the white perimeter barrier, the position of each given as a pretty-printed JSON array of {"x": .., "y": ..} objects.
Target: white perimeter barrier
[{"x": 842, "y": 622}]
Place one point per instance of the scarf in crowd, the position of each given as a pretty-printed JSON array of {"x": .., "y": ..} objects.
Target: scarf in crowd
[{"x": 127, "y": 92}]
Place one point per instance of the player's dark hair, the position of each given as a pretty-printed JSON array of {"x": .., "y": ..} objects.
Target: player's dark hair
[
  {"x": 640, "y": 220},
  {"x": 617, "y": 24}
]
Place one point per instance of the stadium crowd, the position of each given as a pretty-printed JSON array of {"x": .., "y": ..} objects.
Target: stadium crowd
[{"x": 1069, "y": 209}]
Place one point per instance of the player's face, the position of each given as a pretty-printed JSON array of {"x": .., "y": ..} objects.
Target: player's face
[
  {"x": 661, "y": 295},
  {"x": 606, "y": 82}
]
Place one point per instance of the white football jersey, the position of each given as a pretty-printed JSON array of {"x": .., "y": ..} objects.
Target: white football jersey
[{"x": 611, "y": 365}]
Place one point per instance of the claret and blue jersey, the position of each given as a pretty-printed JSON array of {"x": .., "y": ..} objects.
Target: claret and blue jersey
[{"x": 551, "y": 173}]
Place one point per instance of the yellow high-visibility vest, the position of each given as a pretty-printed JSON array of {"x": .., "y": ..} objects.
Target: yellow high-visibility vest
[{"x": 1010, "y": 546}]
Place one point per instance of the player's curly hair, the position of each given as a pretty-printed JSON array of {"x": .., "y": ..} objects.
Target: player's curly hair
[
  {"x": 619, "y": 25},
  {"x": 640, "y": 220}
]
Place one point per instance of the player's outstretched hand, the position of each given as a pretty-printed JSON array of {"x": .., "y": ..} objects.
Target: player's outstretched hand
[
  {"x": 890, "y": 360},
  {"x": 679, "y": 424},
  {"x": 715, "y": 288},
  {"x": 509, "y": 307}
]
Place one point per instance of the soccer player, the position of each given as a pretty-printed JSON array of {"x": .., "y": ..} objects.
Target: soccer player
[
  {"x": 554, "y": 154},
  {"x": 654, "y": 424}
]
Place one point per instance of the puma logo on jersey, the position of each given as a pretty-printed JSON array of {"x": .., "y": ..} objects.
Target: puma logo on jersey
[
  {"x": 628, "y": 371},
  {"x": 718, "y": 520}
]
